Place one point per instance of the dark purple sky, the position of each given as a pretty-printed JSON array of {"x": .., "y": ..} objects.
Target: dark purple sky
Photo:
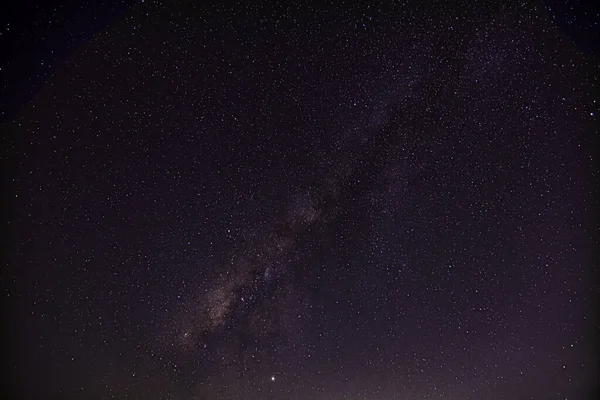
[{"x": 384, "y": 202}]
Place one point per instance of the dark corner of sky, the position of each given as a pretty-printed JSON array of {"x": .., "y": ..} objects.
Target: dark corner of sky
[
  {"x": 579, "y": 20},
  {"x": 36, "y": 36}
]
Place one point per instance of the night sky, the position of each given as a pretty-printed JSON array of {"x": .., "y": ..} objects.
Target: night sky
[{"x": 395, "y": 201}]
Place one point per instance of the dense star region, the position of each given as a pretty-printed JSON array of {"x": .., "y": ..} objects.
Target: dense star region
[{"x": 385, "y": 201}]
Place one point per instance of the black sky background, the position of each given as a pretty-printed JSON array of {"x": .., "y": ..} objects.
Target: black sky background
[{"x": 318, "y": 202}]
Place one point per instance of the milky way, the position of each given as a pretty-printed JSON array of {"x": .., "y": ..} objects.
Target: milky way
[
  {"x": 389, "y": 201},
  {"x": 259, "y": 269}
]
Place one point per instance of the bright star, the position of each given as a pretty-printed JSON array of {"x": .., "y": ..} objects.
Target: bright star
[{"x": 272, "y": 378}]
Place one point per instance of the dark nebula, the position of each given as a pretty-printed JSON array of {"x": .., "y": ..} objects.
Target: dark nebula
[{"x": 384, "y": 201}]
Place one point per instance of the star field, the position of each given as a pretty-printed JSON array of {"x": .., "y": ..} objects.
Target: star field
[{"x": 385, "y": 201}]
